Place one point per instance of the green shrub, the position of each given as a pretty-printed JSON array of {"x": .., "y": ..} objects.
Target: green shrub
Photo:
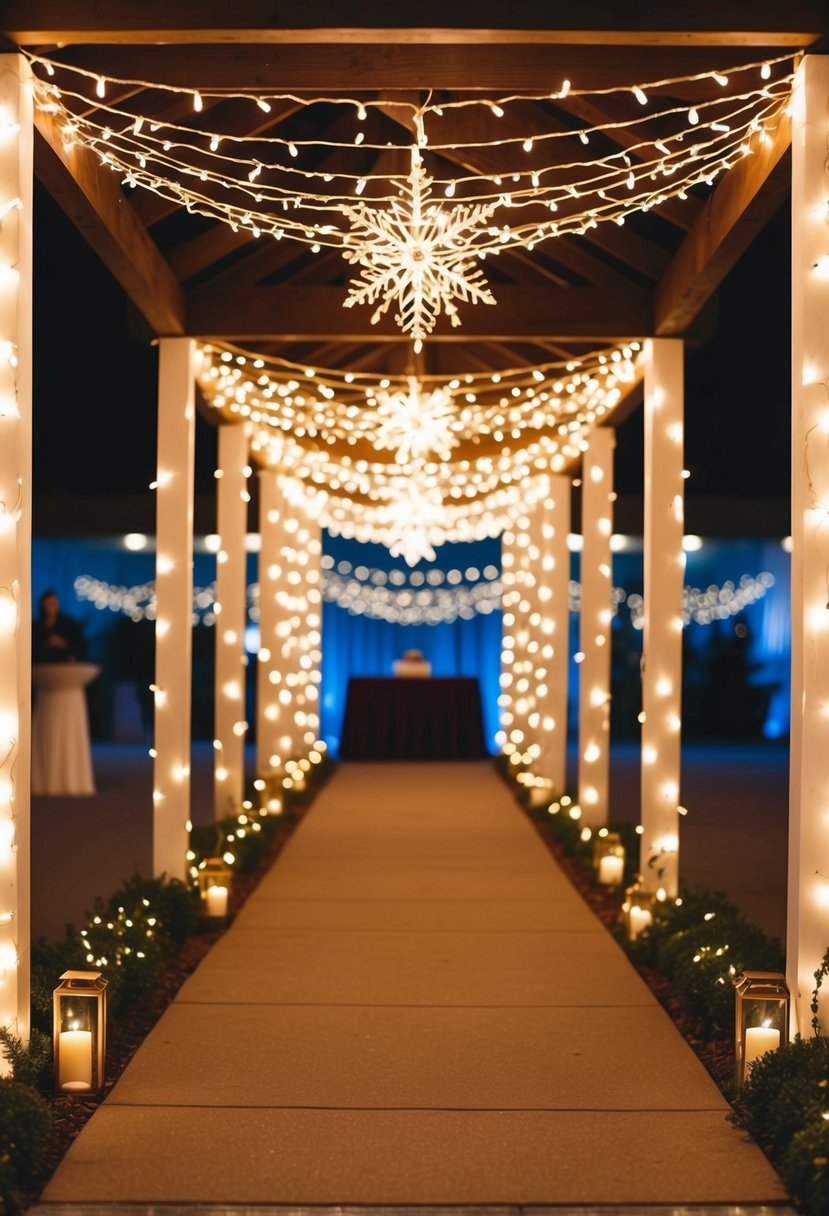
[
  {"x": 806, "y": 1168},
  {"x": 785, "y": 1092},
  {"x": 31, "y": 1062},
  {"x": 24, "y": 1126}
]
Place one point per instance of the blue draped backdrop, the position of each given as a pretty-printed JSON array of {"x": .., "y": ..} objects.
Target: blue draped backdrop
[{"x": 357, "y": 645}]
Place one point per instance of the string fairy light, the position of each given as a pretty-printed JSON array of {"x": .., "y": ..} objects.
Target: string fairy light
[
  {"x": 420, "y": 597},
  {"x": 410, "y": 249},
  {"x": 487, "y": 441}
]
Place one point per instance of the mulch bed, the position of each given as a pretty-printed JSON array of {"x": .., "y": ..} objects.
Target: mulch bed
[{"x": 716, "y": 1054}]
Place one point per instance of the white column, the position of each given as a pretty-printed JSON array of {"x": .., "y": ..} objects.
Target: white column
[
  {"x": 517, "y": 696},
  {"x": 15, "y": 537},
  {"x": 271, "y": 749},
  {"x": 554, "y": 596},
  {"x": 808, "y": 909},
  {"x": 304, "y": 558},
  {"x": 230, "y": 728},
  {"x": 174, "y": 612},
  {"x": 597, "y": 497},
  {"x": 662, "y": 637}
]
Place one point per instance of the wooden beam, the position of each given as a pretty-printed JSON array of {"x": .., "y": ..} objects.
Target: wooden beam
[
  {"x": 92, "y": 198},
  {"x": 299, "y": 314},
  {"x": 683, "y": 22},
  {"x": 743, "y": 202},
  {"x": 327, "y": 67}
]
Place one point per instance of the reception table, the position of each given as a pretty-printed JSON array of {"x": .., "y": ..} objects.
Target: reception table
[
  {"x": 61, "y": 754},
  {"x": 388, "y": 718}
]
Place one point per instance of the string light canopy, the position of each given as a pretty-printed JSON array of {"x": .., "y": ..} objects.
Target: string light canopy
[
  {"x": 419, "y": 216},
  {"x": 413, "y": 462}
]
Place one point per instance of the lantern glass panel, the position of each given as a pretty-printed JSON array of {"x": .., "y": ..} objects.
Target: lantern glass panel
[
  {"x": 638, "y": 910},
  {"x": 761, "y": 1017},
  {"x": 609, "y": 859},
  {"x": 215, "y": 881},
  {"x": 79, "y": 1032}
]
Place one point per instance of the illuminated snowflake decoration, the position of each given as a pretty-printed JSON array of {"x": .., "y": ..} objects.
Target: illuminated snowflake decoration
[
  {"x": 412, "y": 517},
  {"x": 415, "y": 423},
  {"x": 417, "y": 254}
]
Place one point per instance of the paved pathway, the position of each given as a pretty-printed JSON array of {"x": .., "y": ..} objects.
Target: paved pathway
[{"x": 414, "y": 1008}]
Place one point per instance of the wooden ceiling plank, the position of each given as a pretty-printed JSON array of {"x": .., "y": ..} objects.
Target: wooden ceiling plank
[
  {"x": 745, "y": 199},
  {"x": 627, "y": 246},
  {"x": 320, "y": 67},
  {"x": 317, "y": 313},
  {"x": 92, "y": 198},
  {"x": 683, "y": 22}
]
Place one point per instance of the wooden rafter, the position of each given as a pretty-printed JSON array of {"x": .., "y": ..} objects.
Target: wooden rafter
[
  {"x": 745, "y": 199},
  {"x": 92, "y": 198},
  {"x": 317, "y": 313}
]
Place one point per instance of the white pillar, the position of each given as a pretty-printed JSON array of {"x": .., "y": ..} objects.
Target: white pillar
[
  {"x": 554, "y": 596},
  {"x": 519, "y": 556},
  {"x": 808, "y": 908},
  {"x": 230, "y": 727},
  {"x": 174, "y": 611},
  {"x": 15, "y": 537},
  {"x": 271, "y": 745},
  {"x": 301, "y": 600},
  {"x": 597, "y": 497},
  {"x": 662, "y": 637}
]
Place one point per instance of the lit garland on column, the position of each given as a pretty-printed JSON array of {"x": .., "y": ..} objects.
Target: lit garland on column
[
  {"x": 598, "y": 496},
  {"x": 231, "y": 610},
  {"x": 808, "y": 916},
  {"x": 272, "y": 742},
  {"x": 662, "y": 641},
  {"x": 15, "y": 538},
  {"x": 518, "y": 734},
  {"x": 174, "y": 583},
  {"x": 555, "y": 628}
]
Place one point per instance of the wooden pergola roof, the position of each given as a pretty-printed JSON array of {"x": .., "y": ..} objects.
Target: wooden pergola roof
[{"x": 191, "y": 275}]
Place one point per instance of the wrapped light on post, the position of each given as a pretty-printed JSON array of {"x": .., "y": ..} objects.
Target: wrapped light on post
[
  {"x": 79, "y": 1032},
  {"x": 637, "y": 909},
  {"x": 609, "y": 859},
  {"x": 215, "y": 880},
  {"x": 761, "y": 1017}
]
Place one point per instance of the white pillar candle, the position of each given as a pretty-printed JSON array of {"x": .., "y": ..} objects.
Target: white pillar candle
[
  {"x": 611, "y": 870},
  {"x": 759, "y": 1040},
  {"x": 75, "y": 1050},
  {"x": 639, "y": 919},
  {"x": 216, "y": 900}
]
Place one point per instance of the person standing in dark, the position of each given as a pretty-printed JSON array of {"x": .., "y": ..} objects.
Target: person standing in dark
[{"x": 56, "y": 637}]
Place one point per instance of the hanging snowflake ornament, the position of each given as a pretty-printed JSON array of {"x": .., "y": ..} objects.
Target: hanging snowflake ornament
[
  {"x": 418, "y": 254},
  {"x": 416, "y": 423},
  {"x": 412, "y": 517}
]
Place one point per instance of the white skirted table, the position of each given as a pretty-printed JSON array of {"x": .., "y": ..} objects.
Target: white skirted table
[{"x": 61, "y": 754}]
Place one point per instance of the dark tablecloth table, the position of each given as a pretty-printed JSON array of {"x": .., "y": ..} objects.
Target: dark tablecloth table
[{"x": 398, "y": 718}]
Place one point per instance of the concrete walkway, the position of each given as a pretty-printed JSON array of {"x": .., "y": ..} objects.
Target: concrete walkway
[{"x": 414, "y": 1008}]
